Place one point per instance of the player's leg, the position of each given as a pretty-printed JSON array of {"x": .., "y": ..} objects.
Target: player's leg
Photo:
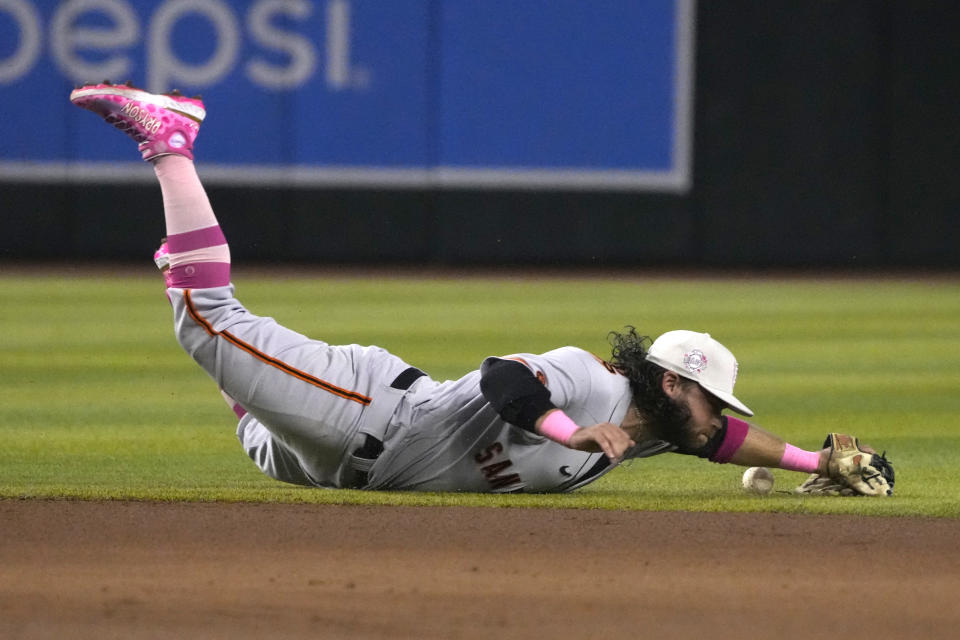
[
  {"x": 310, "y": 395},
  {"x": 270, "y": 455},
  {"x": 302, "y": 392},
  {"x": 196, "y": 251},
  {"x": 165, "y": 127}
]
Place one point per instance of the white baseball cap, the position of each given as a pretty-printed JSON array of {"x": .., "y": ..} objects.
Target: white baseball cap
[{"x": 700, "y": 358}]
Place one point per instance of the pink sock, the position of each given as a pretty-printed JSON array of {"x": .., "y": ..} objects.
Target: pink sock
[
  {"x": 199, "y": 255},
  {"x": 233, "y": 404}
]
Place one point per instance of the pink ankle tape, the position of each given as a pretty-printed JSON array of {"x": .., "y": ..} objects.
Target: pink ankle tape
[
  {"x": 196, "y": 239},
  {"x": 796, "y": 459},
  {"x": 199, "y": 259},
  {"x": 736, "y": 433},
  {"x": 199, "y": 275},
  {"x": 558, "y": 427}
]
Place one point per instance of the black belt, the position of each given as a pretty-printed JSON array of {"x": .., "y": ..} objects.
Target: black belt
[
  {"x": 373, "y": 447},
  {"x": 406, "y": 378}
]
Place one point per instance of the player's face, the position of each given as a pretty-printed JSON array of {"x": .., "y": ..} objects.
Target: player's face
[
  {"x": 704, "y": 411},
  {"x": 700, "y": 410}
]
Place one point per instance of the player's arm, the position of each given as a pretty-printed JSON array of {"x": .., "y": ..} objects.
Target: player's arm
[
  {"x": 523, "y": 400},
  {"x": 760, "y": 448},
  {"x": 740, "y": 442}
]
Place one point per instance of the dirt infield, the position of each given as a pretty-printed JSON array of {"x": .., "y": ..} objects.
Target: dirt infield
[{"x": 145, "y": 570}]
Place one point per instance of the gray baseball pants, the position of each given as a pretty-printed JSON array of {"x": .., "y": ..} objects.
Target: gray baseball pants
[{"x": 309, "y": 404}]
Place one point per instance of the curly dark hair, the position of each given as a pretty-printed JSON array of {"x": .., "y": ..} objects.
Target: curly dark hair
[{"x": 662, "y": 414}]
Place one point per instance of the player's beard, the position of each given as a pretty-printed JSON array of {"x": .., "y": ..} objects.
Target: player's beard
[{"x": 671, "y": 422}]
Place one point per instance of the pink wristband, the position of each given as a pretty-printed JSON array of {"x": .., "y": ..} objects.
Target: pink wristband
[
  {"x": 795, "y": 459},
  {"x": 558, "y": 427}
]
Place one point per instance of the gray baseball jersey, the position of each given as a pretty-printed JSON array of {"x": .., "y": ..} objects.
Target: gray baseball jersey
[{"x": 310, "y": 405}]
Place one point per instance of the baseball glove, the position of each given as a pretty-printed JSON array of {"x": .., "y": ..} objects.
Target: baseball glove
[
  {"x": 818, "y": 485},
  {"x": 853, "y": 470}
]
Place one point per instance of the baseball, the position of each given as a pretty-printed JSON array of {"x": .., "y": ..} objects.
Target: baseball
[{"x": 758, "y": 480}]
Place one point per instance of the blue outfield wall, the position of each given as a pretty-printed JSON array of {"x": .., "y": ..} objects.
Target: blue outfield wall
[
  {"x": 728, "y": 133},
  {"x": 416, "y": 93}
]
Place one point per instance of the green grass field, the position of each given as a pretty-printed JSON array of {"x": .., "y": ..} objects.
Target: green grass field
[{"x": 98, "y": 402}]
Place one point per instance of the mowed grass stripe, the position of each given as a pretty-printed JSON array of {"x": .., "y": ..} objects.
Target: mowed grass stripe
[{"x": 98, "y": 401}]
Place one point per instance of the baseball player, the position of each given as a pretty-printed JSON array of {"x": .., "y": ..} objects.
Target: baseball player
[{"x": 350, "y": 416}]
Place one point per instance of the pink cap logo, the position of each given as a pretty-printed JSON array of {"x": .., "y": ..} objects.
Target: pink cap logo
[{"x": 695, "y": 361}]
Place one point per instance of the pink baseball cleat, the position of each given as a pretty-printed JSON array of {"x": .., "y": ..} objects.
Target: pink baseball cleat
[{"x": 163, "y": 124}]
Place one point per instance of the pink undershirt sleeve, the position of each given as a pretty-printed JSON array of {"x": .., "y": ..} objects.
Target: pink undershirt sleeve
[{"x": 736, "y": 433}]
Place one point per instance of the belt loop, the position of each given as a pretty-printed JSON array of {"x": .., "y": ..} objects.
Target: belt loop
[{"x": 406, "y": 378}]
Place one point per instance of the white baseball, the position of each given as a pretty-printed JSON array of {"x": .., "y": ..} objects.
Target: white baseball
[{"x": 758, "y": 480}]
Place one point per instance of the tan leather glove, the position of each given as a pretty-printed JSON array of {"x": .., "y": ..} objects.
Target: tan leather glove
[{"x": 859, "y": 468}]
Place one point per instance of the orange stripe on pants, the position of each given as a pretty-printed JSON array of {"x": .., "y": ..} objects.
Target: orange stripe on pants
[{"x": 273, "y": 362}]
